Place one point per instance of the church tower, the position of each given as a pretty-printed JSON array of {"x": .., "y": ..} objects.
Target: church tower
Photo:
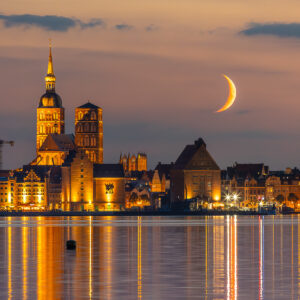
[
  {"x": 89, "y": 131},
  {"x": 50, "y": 113}
]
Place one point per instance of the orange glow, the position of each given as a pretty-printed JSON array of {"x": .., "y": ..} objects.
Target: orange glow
[
  {"x": 9, "y": 244},
  {"x": 24, "y": 257},
  {"x": 139, "y": 258}
]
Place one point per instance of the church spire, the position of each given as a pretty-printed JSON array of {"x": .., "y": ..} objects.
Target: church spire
[
  {"x": 50, "y": 78},
  {"x": 50, "y": 64}
]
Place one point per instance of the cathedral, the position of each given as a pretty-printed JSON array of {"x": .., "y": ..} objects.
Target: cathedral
[{"x": 68, "y": 172}]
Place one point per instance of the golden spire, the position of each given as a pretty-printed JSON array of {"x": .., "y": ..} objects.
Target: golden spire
[
  {"x": 50, "y": 78},
  {"x": 50, "y": 64}
]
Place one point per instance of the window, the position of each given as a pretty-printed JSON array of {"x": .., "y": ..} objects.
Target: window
[
  {"x": 48, "y": 129},
  {"x": 93, "y": 115},
  {"x": 86, "y": 127},
  {"x": 93, "y": 127},
  {"x": 42, "y": 116},
  {"x": 93, "y": 141},
  {"x": 55, "y": 116},
  {"x": 80, "y": 115},
  {"x": 86, "y": 141},
  {"x": 42, "y": 129}
]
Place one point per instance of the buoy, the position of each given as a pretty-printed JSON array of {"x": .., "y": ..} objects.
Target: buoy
[{"x": 71, "y": 245}]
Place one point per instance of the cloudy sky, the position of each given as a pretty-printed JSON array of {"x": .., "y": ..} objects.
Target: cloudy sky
[{"x": 155, "y": 67}]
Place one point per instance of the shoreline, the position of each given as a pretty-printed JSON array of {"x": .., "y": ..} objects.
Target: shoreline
[{"x": 134, "y": 214}]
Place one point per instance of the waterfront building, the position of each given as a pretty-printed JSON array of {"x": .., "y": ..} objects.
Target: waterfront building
[
  {"x": 90, "y": 186},
  {"x": 50, "y": 112},
  {"x": 89, "y": 131},
  {"x": 30, "y": 188},
  {"x": 195, "y": 174}
]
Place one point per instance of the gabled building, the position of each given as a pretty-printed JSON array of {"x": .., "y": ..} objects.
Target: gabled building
[
  {"x": 195, "y": 174},
  {"x": 54, "y": 150}
]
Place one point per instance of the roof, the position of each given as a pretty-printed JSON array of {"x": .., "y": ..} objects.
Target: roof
[
  {"x": 4, "y": 173},
  {"x": 40, "y": 171},
  {"x": 58, "y": 142},
  {"x": 196, "y": 157},
  {"x": 164, "y": 169},
  {"x": 108, "y": 170},
  {"x": 88, "y": 105},
  {"x": 68, "y": 160},
  {"x": 50, "y": 99},
  {"x": 247, "y": 170}
]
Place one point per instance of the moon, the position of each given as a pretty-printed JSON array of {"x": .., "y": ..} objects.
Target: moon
[{"x": 231, "y": 96}]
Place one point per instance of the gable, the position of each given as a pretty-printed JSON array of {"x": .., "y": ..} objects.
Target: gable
[{"x": 201, "y": 160}]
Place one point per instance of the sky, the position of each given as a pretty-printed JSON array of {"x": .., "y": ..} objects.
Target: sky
[{"x": 155, "y": 68}]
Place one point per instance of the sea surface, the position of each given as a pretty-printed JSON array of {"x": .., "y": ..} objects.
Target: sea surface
[{"x": 216, "y": 257}]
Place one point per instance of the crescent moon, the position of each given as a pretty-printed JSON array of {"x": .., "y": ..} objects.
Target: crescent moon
[{"x": 231, "y": 96}]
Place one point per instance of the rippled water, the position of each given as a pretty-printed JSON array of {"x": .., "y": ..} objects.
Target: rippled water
[{"x": 150, "y": 258}]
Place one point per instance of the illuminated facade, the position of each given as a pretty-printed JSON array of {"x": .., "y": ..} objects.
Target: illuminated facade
[
  {"x": 30, "y": 192},
  {"x": 7, "y": 192},
  {"x": 195, "y": 174},
  {"x": 88, "y": 186},
  {"x": 89, "y": 131},
  {"x": 50, "y": 113}
]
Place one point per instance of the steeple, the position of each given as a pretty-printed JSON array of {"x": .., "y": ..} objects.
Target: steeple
[{"x": 50, "y": 78}]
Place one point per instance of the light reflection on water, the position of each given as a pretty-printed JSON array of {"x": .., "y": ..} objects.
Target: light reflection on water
[{"x": 219, "y": 257}]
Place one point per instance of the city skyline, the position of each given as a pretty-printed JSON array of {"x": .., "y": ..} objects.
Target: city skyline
[{"x": 167, "y": 68}]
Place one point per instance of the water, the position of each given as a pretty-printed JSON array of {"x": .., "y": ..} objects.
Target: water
[{"x": 150, "y": 258}]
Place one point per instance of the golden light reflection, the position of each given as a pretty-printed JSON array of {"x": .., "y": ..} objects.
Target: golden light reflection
[
  {"x": 206, "y": 254},
  {"x": 40, "y": 273},
  {"x": 218, "y": 255},
  {"x": 108, "y": 257},
  {"x": 298, "y": 254},
  {"x": 232, "y": 290},
  {"x": 9, "y": 245},
  {"x": 139, "y": 258},
  {"x": 261, "y": 258},
  {"x": 90, "y": 258},
  {"x": 24, "y": 256}
]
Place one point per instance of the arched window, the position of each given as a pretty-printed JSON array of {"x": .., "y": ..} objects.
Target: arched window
[
  {"x": 93, "y": 156},
  {"x": 86, "y": 127},
  {"x": 48, "y": 129},
  {"x": 81, "y": 141},
  {"x": 79, "y": 128},
  {"x": 93, "y": 115},
  {"x": 86, "y": 141},
  {"x": 48, "y": 117},
  {"x": 55, "y": 116},
  {"x": 93, "y": 141},
  {"x": 42, "y": 129},
  {"x": 42, "y": 116},
  {"x": 93, "y": 127},
  {"x": 80, "y": 115}
]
